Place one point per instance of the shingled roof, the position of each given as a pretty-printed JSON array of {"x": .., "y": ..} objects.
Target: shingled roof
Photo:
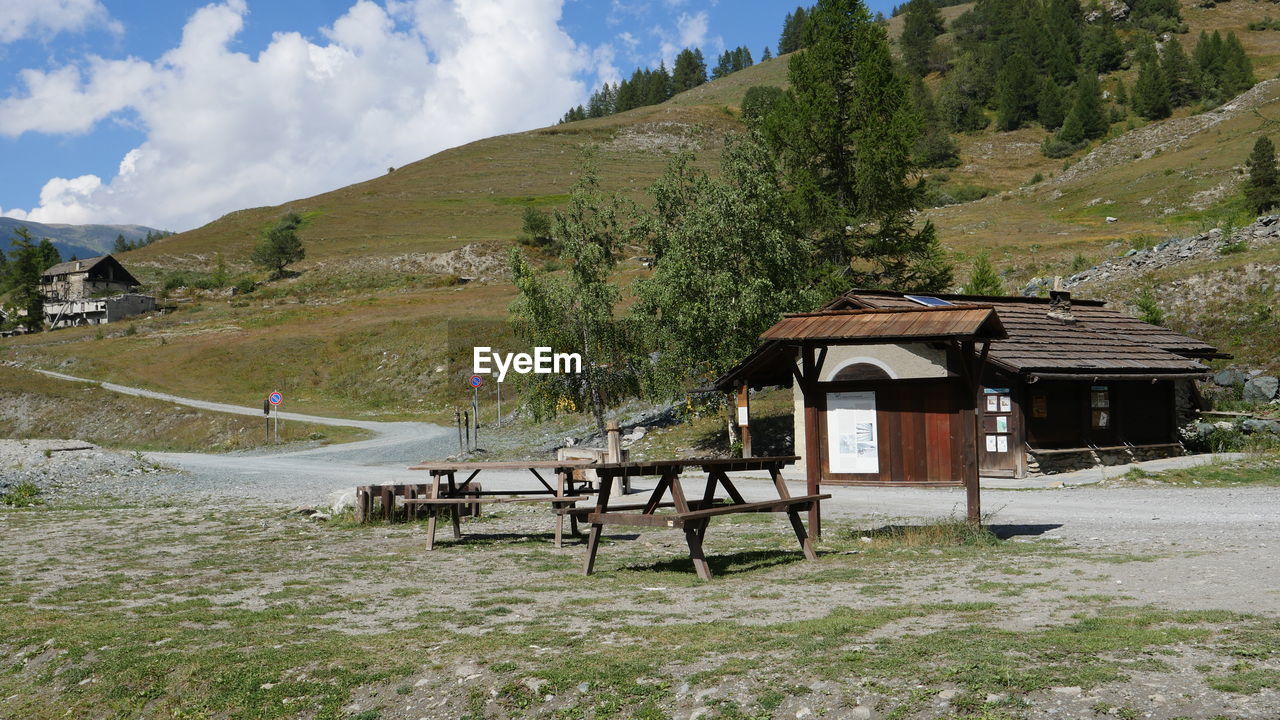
[
  {"x": 1101, "y": 341},
  {"x": 87, "y": 265}
]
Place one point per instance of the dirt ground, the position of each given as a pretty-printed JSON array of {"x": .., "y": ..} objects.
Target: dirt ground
[{"x": 1130, "y": 602}]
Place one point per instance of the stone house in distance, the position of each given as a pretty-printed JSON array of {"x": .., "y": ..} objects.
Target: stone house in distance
[{"x": 94, "y": 291}]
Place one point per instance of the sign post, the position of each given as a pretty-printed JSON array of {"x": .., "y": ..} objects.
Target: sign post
[
  {"x": 275, "y": 399},
  {"x": 475, "y": 381}
]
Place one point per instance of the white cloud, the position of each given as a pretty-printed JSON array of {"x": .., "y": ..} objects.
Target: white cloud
[
  {"x": 224, "y": 130},
  {"x": 20, "y": 18},
  {"x": 691, "y": 32}
]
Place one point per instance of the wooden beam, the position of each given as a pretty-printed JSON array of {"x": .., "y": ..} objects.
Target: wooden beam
[
  {"x": 808, "y": 382},
  {"x": 744, "y": 418}
]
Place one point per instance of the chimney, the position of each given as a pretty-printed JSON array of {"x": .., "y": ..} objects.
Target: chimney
[
  {"x": 77, "y": 264},
  {"x": 1060, "y": 303}
]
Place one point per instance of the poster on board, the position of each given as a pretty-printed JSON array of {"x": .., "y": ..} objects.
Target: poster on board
[{"x": 852, "y": 435}]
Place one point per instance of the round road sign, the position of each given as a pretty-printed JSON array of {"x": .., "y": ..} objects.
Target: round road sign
[
  {"x": 276, "y": 398},
  {"x": 475, "y": 381}
]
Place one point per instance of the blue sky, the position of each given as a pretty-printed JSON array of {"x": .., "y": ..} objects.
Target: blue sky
[{"x": 173, "y": 113}]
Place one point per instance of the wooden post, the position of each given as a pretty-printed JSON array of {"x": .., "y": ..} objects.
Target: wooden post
[
  {"x": 457, "y": 420},
  {"x": 973, "y": 374},
  {"x": 812, "y": 443},
  {"x": 744, "y": 418}
]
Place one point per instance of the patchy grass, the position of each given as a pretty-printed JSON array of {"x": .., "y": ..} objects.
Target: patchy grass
[
  {"x": 1262, "y": 469},
  {"x": 112, "y": 612}
]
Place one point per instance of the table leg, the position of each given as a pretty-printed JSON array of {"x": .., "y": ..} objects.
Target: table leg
[
  {"x": 389, "y": 503},
  {"x": 411, "y": 510},
  {"x": 559, "y": 507},
  {"x": 362, "y": 505},
  {"x": 693, "y": 535},
  {"x": 593, "y": 539},
  {"x": 806, "y": 543},
  {"x": 453, "y": 511},
  {"x": 433, "y": 512}
]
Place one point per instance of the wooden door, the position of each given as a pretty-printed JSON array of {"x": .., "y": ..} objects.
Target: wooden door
[{"x": 999, "y": 441}]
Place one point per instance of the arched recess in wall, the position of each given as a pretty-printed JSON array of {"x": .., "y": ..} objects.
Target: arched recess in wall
[{"x": 862, "y": 369}]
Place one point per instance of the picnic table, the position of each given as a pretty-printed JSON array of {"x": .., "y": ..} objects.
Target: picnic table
[
  {"x": 692, "y": 516},
  {"x": 568, "y": 489}
]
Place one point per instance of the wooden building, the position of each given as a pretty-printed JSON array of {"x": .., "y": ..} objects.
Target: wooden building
[{"x": 935, "y": 390}]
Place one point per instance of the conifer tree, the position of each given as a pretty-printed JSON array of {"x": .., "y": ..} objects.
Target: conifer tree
[
  {"x": 767, "y": 54},
  {"x": 983, "y": 279},
  {"x": 1262, "y": 189},
  {"x": 1237, "y": 72},
  {"x": 921, "y": 25},
  {"x": 690, "y": 70},
  {"x": 24, "y": 278},
  {"x": 1178, "y": 73},
  {"x": 794, "y": 32},
  {"x": 1051, "y": 107},
  {"x": 1015, "y": 93},
  {"x": 843, "y": 137},
  {"x": 1122, "y": 92},
  {"x": 1101, "y": 48},
  {"x": 1151, "y": 92},
  {"x": 934, "y": 146},
  {"x": 1087, "y": 107}
]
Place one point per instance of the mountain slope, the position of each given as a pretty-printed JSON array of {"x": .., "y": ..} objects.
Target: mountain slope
[{"x": 79, "y": 240}]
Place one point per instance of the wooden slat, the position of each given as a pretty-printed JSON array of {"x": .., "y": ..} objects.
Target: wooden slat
[{"x": 493, "y": 500}]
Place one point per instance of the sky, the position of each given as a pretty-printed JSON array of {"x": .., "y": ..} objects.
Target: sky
[{"x": 172, "y": 113}]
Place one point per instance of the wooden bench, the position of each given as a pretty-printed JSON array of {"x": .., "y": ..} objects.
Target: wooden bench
[
  {"x": 433, "y": 505},
  {"x": 695, "y": 515}
]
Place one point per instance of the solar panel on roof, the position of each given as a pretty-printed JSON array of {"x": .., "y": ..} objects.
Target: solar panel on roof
[{"x": 928, "y": 300}]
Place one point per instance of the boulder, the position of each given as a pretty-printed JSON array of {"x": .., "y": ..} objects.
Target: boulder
[
  {"x": 341, "y": 500},
  {"x": 1255, "y": 425},
  {"x": 1261, "y": 389},
  {"x": 1228, "y": 378}
]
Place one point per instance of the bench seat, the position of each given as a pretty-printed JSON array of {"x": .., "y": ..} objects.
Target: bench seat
[{"x": 678, "y": 520}]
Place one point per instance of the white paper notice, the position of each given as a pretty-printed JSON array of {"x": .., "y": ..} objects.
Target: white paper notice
[
  {"x": 993, "y": 403},
  {"x": 742, "y": 415},
  {"x": 1002, "y": 424},
  {"x": 1002, "y": 444},
  {"x": 991, "y": 443},
  {"x": 1006, "y": 403},
  {"x": 852, "y": 435}
]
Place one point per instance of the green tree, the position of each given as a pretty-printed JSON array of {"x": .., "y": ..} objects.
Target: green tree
[
  {"x": 1178, "y": 73},
  {"x": 759, "y": 101},
  {"x": 279, "y": 246},
  {"x": 959, "y": 105},
  {"x": 576, "y": 313},
  {"x": 1237, "y": 67},
  {"x": 690, "y": 70},
  {"x": 1262, "y": 189},
  {"x": 24, "y": 277},
  {"x": 536, "y": 226},
  {"x": 1087, "y": 107},
  {"x": 121, "y": 245},
  {"x": 795, "y": 32},
  {"x": 47, "y": 255},
  {"x": 983, "y": 279},
  {"x": 934, "y": 147},
  {"x": 1102, "y": 51},
  {"x": 843, "y": 137},
  {"x": 1051, "y": 108},
  {"x": 1151, "y": 92},
  {"x": 728, "y": 263},
  {"x": 1015, "y": 93},
  {"x": 921, "y": 24},
  {"x": 767, "y": 54}
]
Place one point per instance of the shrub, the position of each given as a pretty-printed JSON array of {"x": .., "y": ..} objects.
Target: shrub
[
  {"x": 1055, "y": 147},
  {"x": 23, "y": 494},
  {"x": 1037, "y": 178}
]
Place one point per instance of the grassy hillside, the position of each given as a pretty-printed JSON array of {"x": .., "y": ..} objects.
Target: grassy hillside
[
  {"x": 365, "y": 329},
  {"x": 37, "y": 406}
]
